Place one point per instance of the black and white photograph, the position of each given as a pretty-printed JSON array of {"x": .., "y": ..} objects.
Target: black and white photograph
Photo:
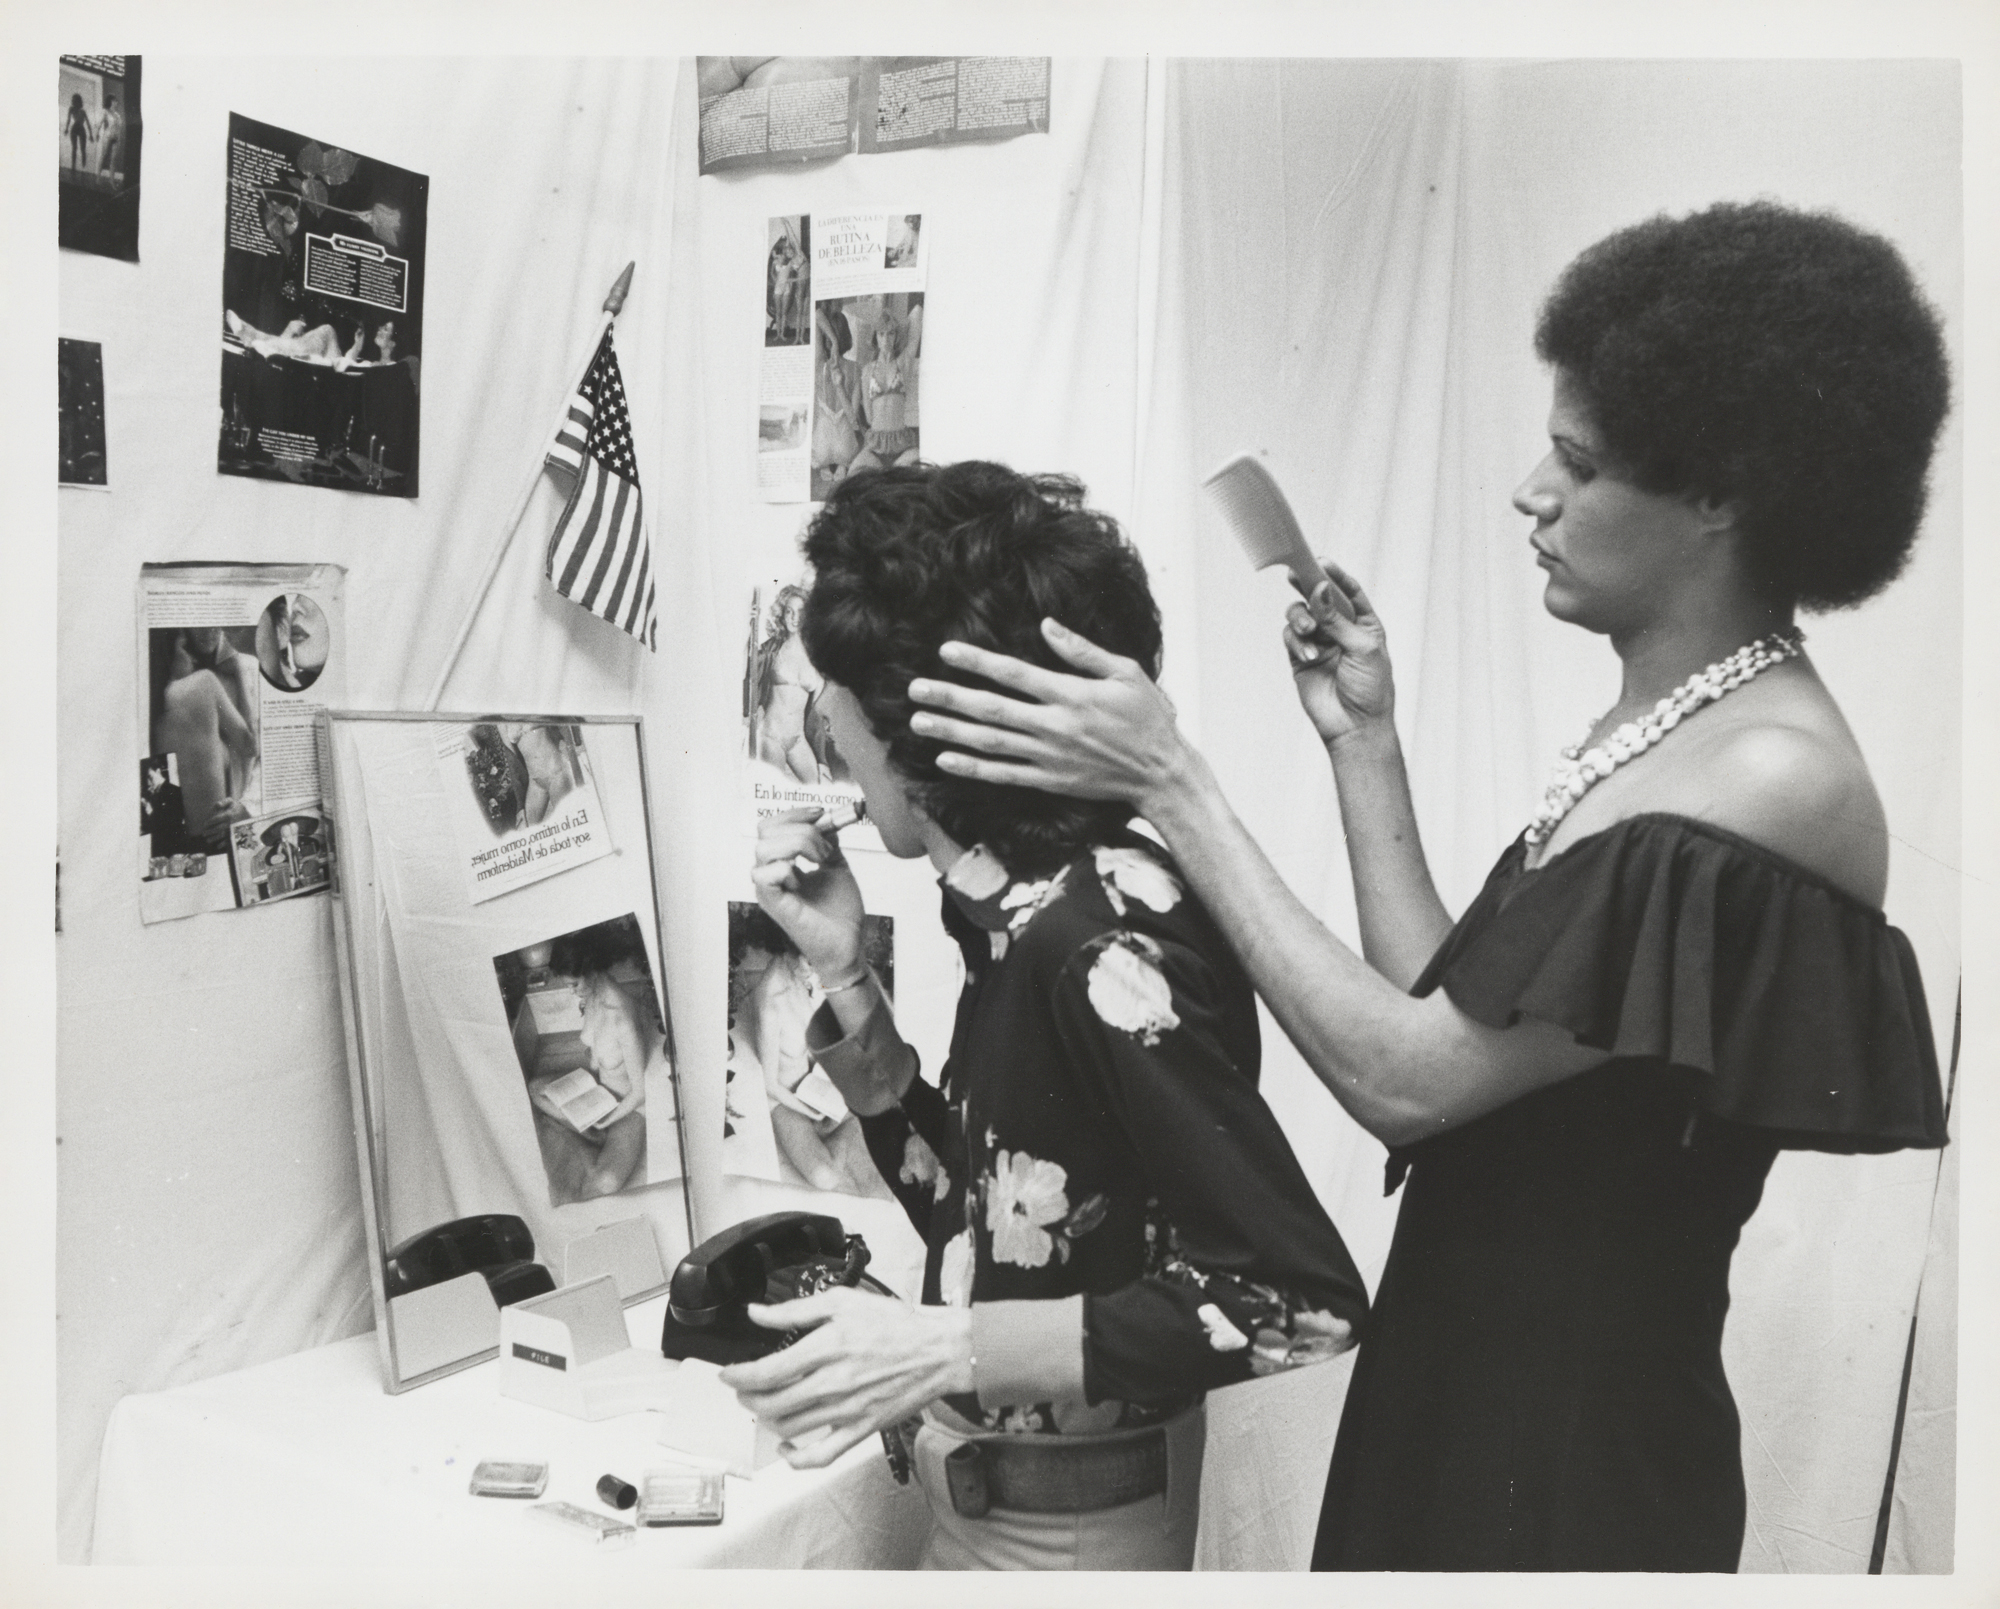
[
  {"x": 904, "y": 240},
  {"x": 322, "y": 314},
  {"x": 231, "y": 696},
  {"x": 865, "y": 384},
  {"x": 783, "y": 1117},
  {"x": 206, "y": 713},
  {"x": 851, "y": 375},
  {"x": 80, "y": 413},
  {"x": 781, "y": 427},
  {"x": 523, "y": 802},
  {"x": 97, "y": 166},
  {"x": 162, "y": 811},
  {"x": 789, "y": 756},
  {"x": 788, "y": 282},
  {"x": 593, "y": 1048},
  {"x": 293, "y": 640},
  {"x": 1359, "y": 874},
  {"x": 277, "y": 857},
  {"x": 784, "y": 728}
]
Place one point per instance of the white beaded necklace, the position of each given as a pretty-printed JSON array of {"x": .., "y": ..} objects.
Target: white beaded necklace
[{"x": 1580, "y": 769}]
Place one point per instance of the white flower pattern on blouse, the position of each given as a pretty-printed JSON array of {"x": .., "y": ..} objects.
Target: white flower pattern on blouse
[
  {"x": 1036, "y": 1219},
  {"x": 1025, "y": 900},
  {"x": 921, "y": 1166},
  {"x": 1222, "y": 1335},
  {"x": 920, "y": 1162},
  {"x": 1128, "y": 990},
  {"x": 978, "y": 874},
  {"x": 1288, "y": 1335},
  {"x": 955, "y": 1270},
  {"x": 1134, "y": 872},
  {"x": 1023, "y": 1196}
]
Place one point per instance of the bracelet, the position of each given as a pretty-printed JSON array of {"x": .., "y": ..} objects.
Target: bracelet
[{"x": 864, "y": 976}]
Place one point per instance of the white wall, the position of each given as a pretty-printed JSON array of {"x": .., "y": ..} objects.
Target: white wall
[
  {"x": 208, "y": 1207},
  {"x": 208, "y": 1204}
]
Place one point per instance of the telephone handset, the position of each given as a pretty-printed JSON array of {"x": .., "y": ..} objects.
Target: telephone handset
[
  {"x": 495, "y": 1244},
  {"x": 775, "y": 1258}
]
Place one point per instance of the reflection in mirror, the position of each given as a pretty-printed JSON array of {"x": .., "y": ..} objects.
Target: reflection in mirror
[
  {"x": 509, "y": 1035},
  {"x": 783, "y": 1119}
]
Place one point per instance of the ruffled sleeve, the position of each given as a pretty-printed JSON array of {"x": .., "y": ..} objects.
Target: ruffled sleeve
[{"x": 1664, "y": 938}]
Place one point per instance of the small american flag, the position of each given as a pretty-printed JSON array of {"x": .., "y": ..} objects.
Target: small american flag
[{"x": 599, "y": 556}]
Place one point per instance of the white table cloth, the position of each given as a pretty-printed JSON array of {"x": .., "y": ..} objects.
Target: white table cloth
[{"x": 307, "y": 1460}]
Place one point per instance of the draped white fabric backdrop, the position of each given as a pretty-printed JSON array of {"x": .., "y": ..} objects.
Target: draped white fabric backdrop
[
  {"x": 1335, "y": 262},
  {"x": 1351, "y": 259}
]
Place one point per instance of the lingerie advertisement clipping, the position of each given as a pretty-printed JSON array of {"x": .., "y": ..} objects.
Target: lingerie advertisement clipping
[
  {"x": 843, "y": 335},
  {"x": 235, "y": 663},
  {"x": 525, "y": 802}
]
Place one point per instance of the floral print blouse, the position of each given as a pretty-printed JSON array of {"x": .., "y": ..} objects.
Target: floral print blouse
[{"x": 1097, "y": 1134}]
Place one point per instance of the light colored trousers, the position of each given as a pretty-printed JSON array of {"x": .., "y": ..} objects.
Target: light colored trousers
[{"x": 1155, "y": 1533}]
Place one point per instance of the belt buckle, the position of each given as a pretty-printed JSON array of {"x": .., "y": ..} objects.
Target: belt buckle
[
  {"x": 899, "y": 1442},
  {"x": 965, "y": 1478}
]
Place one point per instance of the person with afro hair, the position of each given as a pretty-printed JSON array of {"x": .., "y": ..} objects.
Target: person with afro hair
[{"x": 1681, "y": 965}]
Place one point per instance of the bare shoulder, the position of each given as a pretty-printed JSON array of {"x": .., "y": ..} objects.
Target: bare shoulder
[
  {"x": 1801, "y": 789},
  {"x": 198, "y": 690}
]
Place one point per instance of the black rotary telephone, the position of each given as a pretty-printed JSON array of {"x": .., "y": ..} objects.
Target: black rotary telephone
[{"x": 775, "y": 1258}]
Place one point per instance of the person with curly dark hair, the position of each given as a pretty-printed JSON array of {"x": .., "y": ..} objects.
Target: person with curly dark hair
[
  {"x": 1679, "y": 968},
  {"x": 970, "y": 552},
  {"x": 1115, "y": 1223}
]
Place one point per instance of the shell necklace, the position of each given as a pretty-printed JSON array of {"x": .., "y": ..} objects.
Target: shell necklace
[{"x": 1580, "y": 769}]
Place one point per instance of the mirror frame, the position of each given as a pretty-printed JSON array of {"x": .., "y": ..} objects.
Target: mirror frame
[{"x": 368, "y": 1133}]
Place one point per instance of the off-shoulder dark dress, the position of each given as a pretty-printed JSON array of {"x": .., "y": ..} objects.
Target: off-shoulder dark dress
[{"x": 1540, "y": 1386}]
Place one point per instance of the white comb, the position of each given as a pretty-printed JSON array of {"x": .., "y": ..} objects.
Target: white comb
[{"x": 1263, "y": 522}]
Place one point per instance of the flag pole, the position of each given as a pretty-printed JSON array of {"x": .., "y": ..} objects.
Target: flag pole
[{"x": 612, "y": 303}]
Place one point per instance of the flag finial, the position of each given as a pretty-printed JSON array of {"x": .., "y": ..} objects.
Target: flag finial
[{"x": 616, "y": 299}]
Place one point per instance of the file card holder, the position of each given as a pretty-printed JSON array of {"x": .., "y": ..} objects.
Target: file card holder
[{"x": 569, "y": 1352}]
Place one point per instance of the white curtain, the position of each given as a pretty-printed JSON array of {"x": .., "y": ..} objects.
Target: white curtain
[
  {"x": 1337, "y": 262},
  {"x": 1352, "y": 256},
  {"x": 209, "y": 1211}
]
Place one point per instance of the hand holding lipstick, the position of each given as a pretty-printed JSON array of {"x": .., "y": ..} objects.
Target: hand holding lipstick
[{"x": 805, "y": 883}]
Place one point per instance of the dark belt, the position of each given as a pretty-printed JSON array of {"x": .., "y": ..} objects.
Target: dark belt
[{"x": 1056, "y": 1474}]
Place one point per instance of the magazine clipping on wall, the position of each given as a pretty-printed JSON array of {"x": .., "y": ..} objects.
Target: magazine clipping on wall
[
  {"x": 525, "y": 803},
  {"x": 322, "y": 314},
  {"x": 838, "y": 390},
  {"x": 97, "y": 155},
  {"x": 83, "y": 457},
  {"x": 596, "y": 1058},
  {"x": 235, "y": 663},
  {"x": 783, "y": 1119},
  {"x": 909, "y": 101},
  {"x": 789, "y": 757},
  {"x": 779, "y": 111}
]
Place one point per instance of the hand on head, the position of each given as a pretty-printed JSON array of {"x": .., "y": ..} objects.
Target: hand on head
[{"x": 1109, "y": 732}]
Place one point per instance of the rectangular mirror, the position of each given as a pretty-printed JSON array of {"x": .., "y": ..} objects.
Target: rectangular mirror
[{"x": 509, "y": 1038}]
